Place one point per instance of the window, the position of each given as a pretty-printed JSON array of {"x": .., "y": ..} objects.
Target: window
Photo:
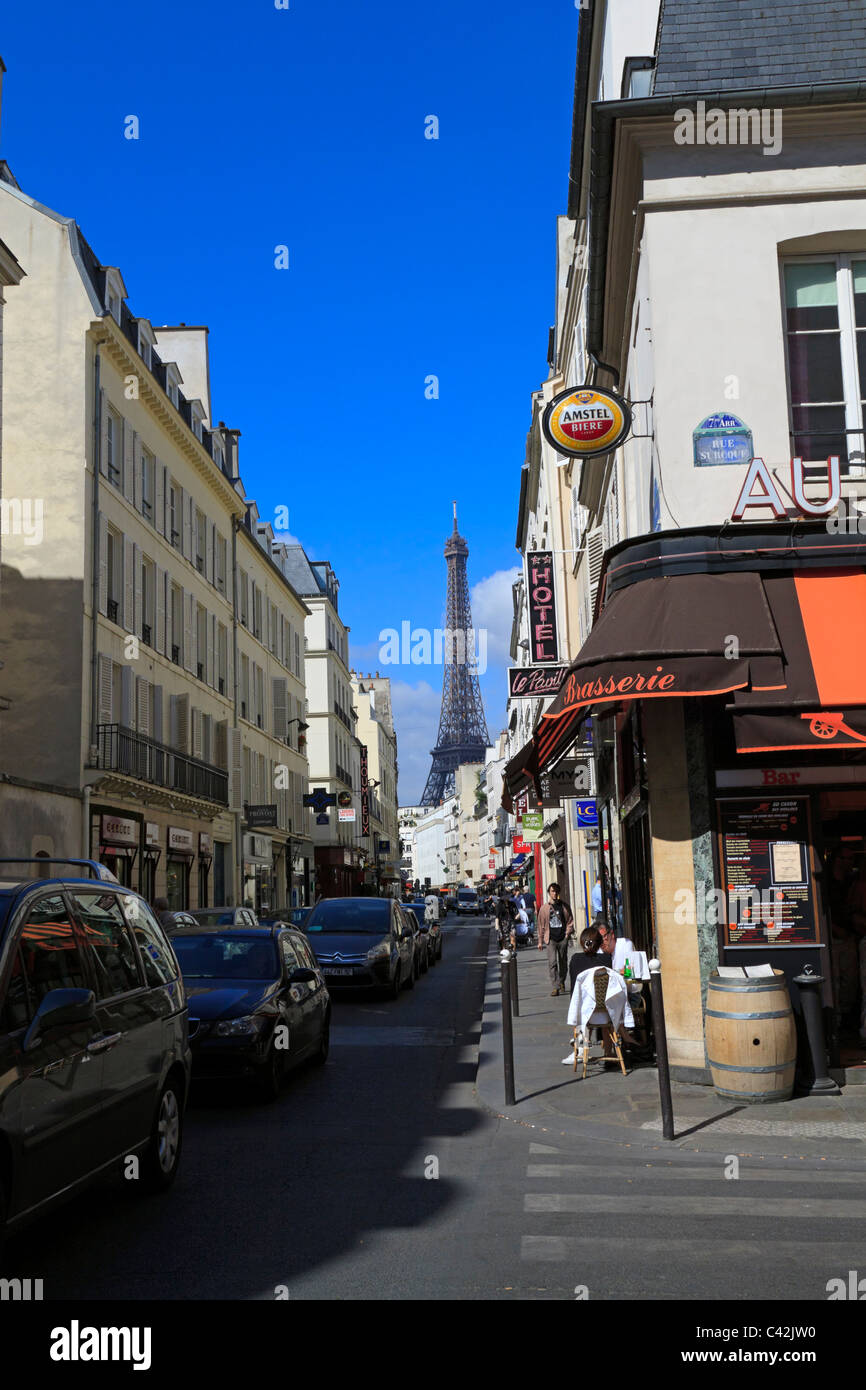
[
  {"x": 243, "y": 602},
  {"x": 110, "y": 943},
  {"x": 297, "y": 653},
  {"x": 257, "y": 611},
  {"x": 222, "y": 659},
  {"x": 156, "y": 957},
  {"x": 174, "y": 509},
  {"x": 144, "y": 348},
  {"x": 200, "y": 540},
  {"x": 221, "y": 563},
  {"x": 245, "y": 685},
  {"x": 201, "y": 641},
  {"x": 148, "y": 471},
  {"x": 176, "y": 624},
  {"x": 50, "y": 951},
  {"x": 148, "y": 591},
  {"x": 825, "y": 310},
  {"x": 289, "y": 954},
  {"x": 15, "y": 1008},
  {"x": 113, "y": 447},
  {"x": 114, "y": 565}
]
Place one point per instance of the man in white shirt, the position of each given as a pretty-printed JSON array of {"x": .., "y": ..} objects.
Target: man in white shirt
[
  {"x": 619, "y": 948},
  {"x": 431, "y": 907}
]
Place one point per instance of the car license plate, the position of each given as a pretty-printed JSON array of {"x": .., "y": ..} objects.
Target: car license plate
[{"x": 339, "y": 970}]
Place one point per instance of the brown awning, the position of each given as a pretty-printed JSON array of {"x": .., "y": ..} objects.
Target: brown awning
[
  {"x": 521, "y": 772},
  {"x": 682, "y": 635}
]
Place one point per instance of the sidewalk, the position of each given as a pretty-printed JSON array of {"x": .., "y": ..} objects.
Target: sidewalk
[{"x": 608, "y": 1107}]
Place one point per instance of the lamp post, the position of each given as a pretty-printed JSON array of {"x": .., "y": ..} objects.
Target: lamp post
[{"x": 303, "y": 726}]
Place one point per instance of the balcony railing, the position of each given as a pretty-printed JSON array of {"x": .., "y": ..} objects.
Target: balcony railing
[
  {"x": 343, "y": 775},
  {"x": 123, "y": 750}
]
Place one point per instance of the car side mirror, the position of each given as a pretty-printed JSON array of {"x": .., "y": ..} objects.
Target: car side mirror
[
  {"x": 302, "y": 975},
  {"x": 61, "y": 1008}
]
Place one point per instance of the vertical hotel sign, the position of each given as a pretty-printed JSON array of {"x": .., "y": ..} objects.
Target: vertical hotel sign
[
  {"x": 541, "y": 599},
  {"x": 365, "y": 793}
]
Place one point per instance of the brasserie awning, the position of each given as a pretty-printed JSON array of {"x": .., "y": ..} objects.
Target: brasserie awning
[{"x": 787, "y": 648}]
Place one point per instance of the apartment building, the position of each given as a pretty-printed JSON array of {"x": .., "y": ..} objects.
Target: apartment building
[
  {"x": 711, "y": 270},
  {"x": 119, "y": 622},
  {"x": 371, "y": 696}
]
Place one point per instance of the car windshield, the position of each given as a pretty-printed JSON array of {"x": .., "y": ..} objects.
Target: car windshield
[
  {"x": 214, "y": 919},
  {"x": 215, "y": 957},
  {"x": 467, "y": 896},
  {"x": 367, "y": 916}
]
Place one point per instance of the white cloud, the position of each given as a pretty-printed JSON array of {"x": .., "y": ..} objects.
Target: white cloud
[
  {"x": 493, "y": 609},
  {"x": 416, "y": 719}
]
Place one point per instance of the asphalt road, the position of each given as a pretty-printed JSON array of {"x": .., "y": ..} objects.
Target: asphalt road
[{"x": 381, "y": 1177}]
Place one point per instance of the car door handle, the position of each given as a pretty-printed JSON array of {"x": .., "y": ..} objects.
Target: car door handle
[{"x": 104, "y": 1042}]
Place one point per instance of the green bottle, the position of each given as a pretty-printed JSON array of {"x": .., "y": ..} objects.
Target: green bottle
[{"x": 626, "y": 974}]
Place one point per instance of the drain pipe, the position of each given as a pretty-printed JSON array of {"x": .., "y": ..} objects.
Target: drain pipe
[{"x": 94, "y": 545}]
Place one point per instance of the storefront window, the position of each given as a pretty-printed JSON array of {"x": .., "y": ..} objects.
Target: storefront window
[
  {"x": 177, "y": 883},
  {"x": 203, "y": 875}
]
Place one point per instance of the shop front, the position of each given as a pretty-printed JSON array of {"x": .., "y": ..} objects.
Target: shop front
[
  {"x": 119, "y": 838},
  {"x": 339, "y": 872},
  {"x": 728, "y": 689},
  {"x": 258, "y": 873},
  {"x": 180, "y": 853}
]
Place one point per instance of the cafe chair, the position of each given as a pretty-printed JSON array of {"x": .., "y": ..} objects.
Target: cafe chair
[{"x": 600, "y": 1015}]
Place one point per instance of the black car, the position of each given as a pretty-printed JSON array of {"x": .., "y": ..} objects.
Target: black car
[
  {"x": 419, "y": 943},
  {"x": 431, "y": 930},
  {"x": 224, "y": 916},
  {"x": 258, "y": 1004},
  {"x": 363, "y": 943},
  {"x": 94, "y": 1053}
]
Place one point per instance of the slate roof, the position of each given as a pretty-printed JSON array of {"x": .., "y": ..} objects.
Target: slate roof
[{"x": 715, "y": 45}]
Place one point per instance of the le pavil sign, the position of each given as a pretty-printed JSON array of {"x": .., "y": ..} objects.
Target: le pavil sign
[{"x": 543, "y": 645}]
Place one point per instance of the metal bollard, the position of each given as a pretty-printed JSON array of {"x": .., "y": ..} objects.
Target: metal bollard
[
  {"x": 662, "y": 1049},
  {"x": 507, "y": 1031},
  {"x": 515, "y": 993}
]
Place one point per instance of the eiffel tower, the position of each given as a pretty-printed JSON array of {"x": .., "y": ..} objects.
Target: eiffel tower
[{"x": 463, "y": 734}]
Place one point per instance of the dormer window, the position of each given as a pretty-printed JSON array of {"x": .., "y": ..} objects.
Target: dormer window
[
  {"x": 197, "y": 418},
  {"x": 115, "y": 293},
  {"x": 145, "y": 346},
  {"x": 172, "y": 383}
]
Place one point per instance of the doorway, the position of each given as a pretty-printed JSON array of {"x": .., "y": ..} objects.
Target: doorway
[{"x": 843, "y": 843}]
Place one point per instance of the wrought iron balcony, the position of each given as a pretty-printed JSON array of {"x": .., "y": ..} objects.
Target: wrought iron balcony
[{"x": 125, "y": 751}]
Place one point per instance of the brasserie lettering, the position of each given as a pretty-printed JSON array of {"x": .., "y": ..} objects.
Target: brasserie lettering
[{"x": 576, "y": 694}]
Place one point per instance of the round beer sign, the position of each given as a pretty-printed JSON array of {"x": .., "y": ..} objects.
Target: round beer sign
[{"x": 583, "y": 422}]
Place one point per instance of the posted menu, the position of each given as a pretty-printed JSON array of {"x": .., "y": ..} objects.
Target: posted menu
[{"x": 764, "y": 851}]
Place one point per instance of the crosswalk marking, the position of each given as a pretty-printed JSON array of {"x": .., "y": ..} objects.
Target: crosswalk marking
[
  {"x": 581, "y": 1173},
  {"x": 639, "y": 1204},
  {"x": 597, "y": 1249}
]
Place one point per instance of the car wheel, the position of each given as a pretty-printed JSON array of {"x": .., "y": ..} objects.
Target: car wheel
[
  {"x": 320, "y": 1056},
  {"x": 272, "y": 1073},
  {"x": 162, "y": 1155}
]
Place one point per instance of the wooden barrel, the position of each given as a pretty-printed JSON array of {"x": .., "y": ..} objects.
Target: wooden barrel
[{"x": 751, "y": 1038}]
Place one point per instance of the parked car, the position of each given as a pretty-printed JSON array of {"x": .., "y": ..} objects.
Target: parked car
[
  {"x": 170, "y": 920},
  {"x": 468, "y": 902},
  {"x": 242, "y": 984},
  {"x": 432, "y": 930},
  {"x": 419, "y": 944},
  {"x": 224, "y": 917},
  {"x": 94, "y": 1049},
  {"x": 288, "y": 916},
  {"x": 362, "y": 943}
]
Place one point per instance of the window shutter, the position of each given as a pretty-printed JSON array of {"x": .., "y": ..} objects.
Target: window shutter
[
  {"x": 185, "y": 523},
  {"x": 137, "y": 481},
  {"x": 188, "y": 604},
  {"x": 128, "y": 457},
  {"x": 221, "y": 749},
  {"x": 209, "y": 555},
  {"x": 281, "y": 710},
  {"x": 160, "y": 610},
  {"x": 103, "y": 433},
  {"x": 103, "y": 564},
  {"x": 142, "y": 706},
  {"x": 159, "y": 497},
  {"x": 136, "y": 590},
  {"x": 297, "y": 654},
  {"x": 158, "y": 731},
  {"x": 209, "y": 673},
  {"x": 236, "y": 790},
  {"x": 197, "y": 733},
  {"x": 182, "y": 723},
  {"x": 594, "y": 556},
  {"x": 128, "y": 614},
  {"x": 127, "y": 697},
  {"x": 105, "y": 690}
]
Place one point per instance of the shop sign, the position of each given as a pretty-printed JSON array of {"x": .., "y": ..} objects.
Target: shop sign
[
  {"x": 519, "y": 845},
  {"x": 558, "y": 784},
  {"x": 320, "y": 799},
  {"x": 780, "y": 777},
  {"x": 205, "y": 846},
  {"x": 491, "y": 861},
  {"x": 261, "y": 815},
  {"x": 722, "y": 438},
  {"x": 151, "y": 835},
  {"x": 322, "y": 819},
  {"x": 769, "y": 495},
  {"x": 344, "y": 798},
  {"x": 347, "y": 858},
  {"x": 346, "y": 813},
  {"x": 384, "y": 847},
  {"x": 585, "y": 814},
  {"x": 534, "y": 682},
  {"x": 365, "y": 793},
  {"x": 117, "y": 830},
  {"x": 765, "y": 857},
  {"x": 181, "y": 840},
  {"x": 532, "y": 825},
  {"x": 541, "y": 601},
  {"x": 584, "y": 421},
  {"x": 258, "y": 847}
]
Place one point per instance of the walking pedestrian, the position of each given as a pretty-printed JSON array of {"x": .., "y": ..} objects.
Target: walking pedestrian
[{"x": 555, "y": 926}]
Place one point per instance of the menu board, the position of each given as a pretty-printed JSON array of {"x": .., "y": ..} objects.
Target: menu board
[{"x": 764, "y": 853}]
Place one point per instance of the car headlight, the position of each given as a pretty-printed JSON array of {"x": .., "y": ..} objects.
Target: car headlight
[
  {"x": 380, "y": 952},
  {"x": 239, "y": 1027}
]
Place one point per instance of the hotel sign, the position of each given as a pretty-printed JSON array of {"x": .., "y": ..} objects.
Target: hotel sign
[
  {"x": 365, "y": 794},
  {"x": 583, "y": 422},
  {"x": 543, "y": 646}
]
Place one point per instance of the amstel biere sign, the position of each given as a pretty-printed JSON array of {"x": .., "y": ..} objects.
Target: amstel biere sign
[{"x": 583, "y": 422}]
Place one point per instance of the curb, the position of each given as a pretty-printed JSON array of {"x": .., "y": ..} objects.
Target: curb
[{"x": 535, "y": 1115}]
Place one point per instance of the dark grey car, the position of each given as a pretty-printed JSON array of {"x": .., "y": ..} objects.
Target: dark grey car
[
  {"x": 94, "y": 1052},
  {"x": 362, "y": 943}
]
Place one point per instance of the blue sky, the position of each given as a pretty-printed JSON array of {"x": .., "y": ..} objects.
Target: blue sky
[{"x": 407, "y": 257}]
